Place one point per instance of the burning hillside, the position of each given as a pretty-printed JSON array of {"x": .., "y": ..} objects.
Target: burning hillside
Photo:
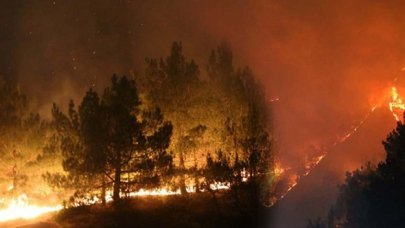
[{"x": 288, "y": 180}]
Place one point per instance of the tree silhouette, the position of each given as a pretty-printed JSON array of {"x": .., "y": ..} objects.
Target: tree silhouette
[
  {"x": 110, "y": 137},
  {"x": 373, "y": 196},
  {"x": 172, "y": 84},
  {"x": 82, "y": 141},
  {"x": 189, "y": 98}
]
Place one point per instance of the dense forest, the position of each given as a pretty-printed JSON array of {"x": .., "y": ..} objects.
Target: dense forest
[{"x": 176, "y": 128}]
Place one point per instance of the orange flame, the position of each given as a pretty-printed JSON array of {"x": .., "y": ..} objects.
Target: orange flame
[
  {"x": 20, "y": 208},
  {"x": 278, "y": 170},
  {"x": 396, "y": 105}
]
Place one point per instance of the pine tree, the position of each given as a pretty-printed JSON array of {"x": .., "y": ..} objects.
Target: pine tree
[{"x": 111, "y": 142}]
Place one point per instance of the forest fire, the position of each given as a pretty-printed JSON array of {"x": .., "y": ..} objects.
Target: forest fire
[
  {"x": 20, "y": 208},
  {"x": 396, "y": 105},
  {"x": 157, "y": 114},
  {"x": 155, "y": 192}
]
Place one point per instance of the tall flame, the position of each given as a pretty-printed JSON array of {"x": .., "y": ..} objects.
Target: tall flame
[
  {"x": 396, "y": 105},
  {"x": 20, "y": 208}
]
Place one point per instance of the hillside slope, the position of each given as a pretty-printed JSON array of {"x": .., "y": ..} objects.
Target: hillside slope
[{"x": 315, "y": 193}]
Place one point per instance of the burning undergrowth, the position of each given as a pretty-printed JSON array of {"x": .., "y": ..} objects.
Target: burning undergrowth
[{"x": 169, "y": 132}]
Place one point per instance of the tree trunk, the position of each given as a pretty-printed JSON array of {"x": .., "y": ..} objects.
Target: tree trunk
[
  {"x": 117, "y": 180},
  {"x": 197, "y": 183},
  {"x": 103, "y": 190},
  {"x": 14, "y": 177},
  {"x": 117, "y": 184},
  {"x": 215, "y": 200},
  {"x": 183, "y": 188}
]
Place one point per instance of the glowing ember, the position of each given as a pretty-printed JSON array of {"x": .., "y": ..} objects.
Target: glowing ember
[
  {"x": 158, "y": 192},
  {"x": 155, "y": 192},
  {"x": 165, "y": 192},
  {"x": 278, "y": 170},
  {"x": 220, "y": 186},
  {"x": 396, "y": 105},
  {"x": 274, "y": 99},
  {"x": 21, "y": 209}
]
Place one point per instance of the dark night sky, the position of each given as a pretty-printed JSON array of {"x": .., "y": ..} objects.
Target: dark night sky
[{"x": 327, "y": 61}]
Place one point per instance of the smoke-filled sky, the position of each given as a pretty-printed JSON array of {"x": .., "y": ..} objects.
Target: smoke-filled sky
[{"x": 327, "y": 61}]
